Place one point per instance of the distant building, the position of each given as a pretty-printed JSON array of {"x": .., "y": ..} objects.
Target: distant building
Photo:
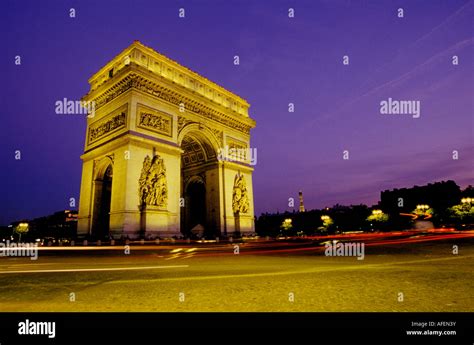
[
  {"x": 438, "y": 195},
  {"x": 301, "y": 201},
  {"x": 61, "y": 224}
]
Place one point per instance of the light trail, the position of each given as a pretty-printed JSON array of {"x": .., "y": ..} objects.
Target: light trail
[
  {"x": 94, "y": 269},
  {"x": 292, "y": 245},
  {"x": 318, "y": 248}
]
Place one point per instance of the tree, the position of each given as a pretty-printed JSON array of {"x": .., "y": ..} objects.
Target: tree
[
  {"x": 378, "y": 216},
  {"x": 463, "y": 212},
  {"x": 20, "y": 229},
  {"x": 327, "y": 223},
  {"x": 423, "y": 210},
  {"x": 286, "y": 225}
]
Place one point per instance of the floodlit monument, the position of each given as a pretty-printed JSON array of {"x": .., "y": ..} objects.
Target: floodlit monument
[{"x": 156, "y": 161}]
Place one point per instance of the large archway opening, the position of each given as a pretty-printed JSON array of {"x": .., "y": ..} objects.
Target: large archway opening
[
  {"x": 195, "y": 210},
  {"x": 103, "y": 197},
  {"x": 198, "y": 171}
]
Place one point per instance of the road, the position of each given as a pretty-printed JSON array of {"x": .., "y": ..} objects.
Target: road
[{"x": 411, "y": 271}]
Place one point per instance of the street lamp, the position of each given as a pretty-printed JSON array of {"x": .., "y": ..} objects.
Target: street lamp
[
  {"x": 467, "y": 200},
  {"x": 286, "y": 225},
  {"x": 422, "y": 207},
  {"x": 21, "y": 228}
]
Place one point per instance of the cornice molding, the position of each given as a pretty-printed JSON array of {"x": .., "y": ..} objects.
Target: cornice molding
[{"x": 135, "y": 81}]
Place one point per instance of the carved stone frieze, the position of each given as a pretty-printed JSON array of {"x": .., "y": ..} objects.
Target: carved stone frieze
[
  {"x": 236, "y": 144},
  {"x": 154, "y": 121},
  {"x": 107, "y": 126}
]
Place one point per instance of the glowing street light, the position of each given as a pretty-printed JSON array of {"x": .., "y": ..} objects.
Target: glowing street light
[
  {"x": 21, "y": 228},
  {"x": 377, "y": 216},
  {"x": 287, "y": 224},
  {"x": 327, "y": 221},
  {"x": 467, "y": 200},
  {"x": 422, "y": 207}
]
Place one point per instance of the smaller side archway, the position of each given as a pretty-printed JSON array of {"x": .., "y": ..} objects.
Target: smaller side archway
[
  {"x": 194, "y": 216},
  {"x": 199, "y": 181},
  {"x": 102, "y": 186}
]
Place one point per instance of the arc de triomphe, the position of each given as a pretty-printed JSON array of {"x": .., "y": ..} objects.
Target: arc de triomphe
[{"x": 156, "y": 160}]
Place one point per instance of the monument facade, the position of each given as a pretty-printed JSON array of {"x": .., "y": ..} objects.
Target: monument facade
[{"x": 154, "y": 163}]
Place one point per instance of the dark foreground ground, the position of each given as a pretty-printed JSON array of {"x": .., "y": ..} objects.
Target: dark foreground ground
[{"x": 407, "y": 275}]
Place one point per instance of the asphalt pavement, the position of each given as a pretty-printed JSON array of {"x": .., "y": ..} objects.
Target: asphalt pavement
[{"x": 397, "y": 273}]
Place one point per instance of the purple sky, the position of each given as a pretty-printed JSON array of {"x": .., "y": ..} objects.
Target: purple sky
[{"x": 282, "y": 60}]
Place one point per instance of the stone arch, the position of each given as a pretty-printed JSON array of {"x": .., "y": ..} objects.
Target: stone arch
[
  {"x": 102, "y": 198},
  {"x": 199, "y": 176},
  {"x": 204, "y": 126},
  {"x": 202, "y": 133},
  {"x": 195, "y": 210},
  {"x": 101, "y": 166},
  {"x": 194, "y": 179}
]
